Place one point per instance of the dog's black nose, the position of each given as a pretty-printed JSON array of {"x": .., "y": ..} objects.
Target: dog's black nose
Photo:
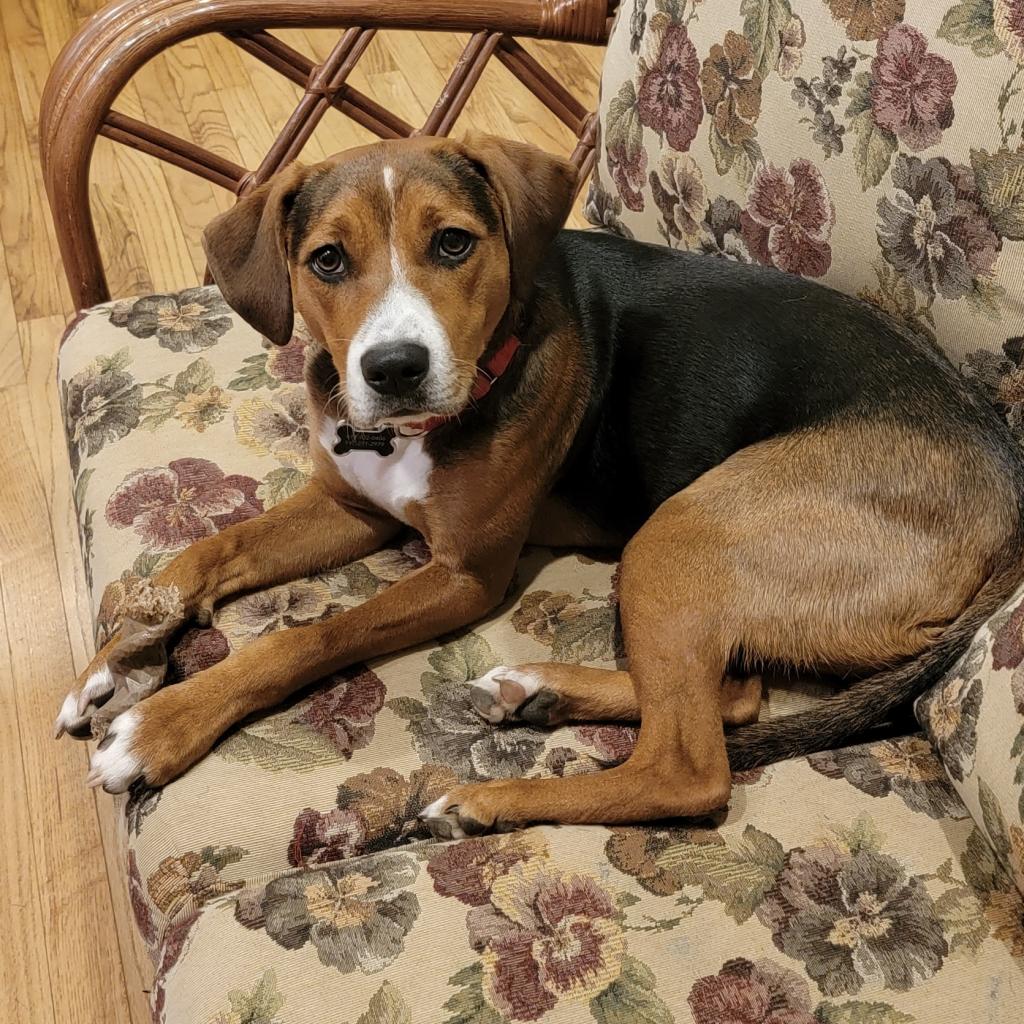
[{"x": 395, "y": 369}]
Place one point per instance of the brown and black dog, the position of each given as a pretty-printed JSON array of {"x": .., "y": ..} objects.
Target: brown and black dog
[{"x": 801, "y": 481}]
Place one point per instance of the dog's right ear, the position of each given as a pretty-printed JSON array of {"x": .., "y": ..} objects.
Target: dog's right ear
[{"x": 246, "y": 251}]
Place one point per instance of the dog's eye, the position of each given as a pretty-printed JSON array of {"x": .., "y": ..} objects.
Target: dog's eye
[
  {"x": 454, "y": 244},
  {"x": 328, "y": 263}
]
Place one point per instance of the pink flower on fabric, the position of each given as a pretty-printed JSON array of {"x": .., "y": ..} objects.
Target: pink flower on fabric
[
  {"x": 177, "y": 505},
  {"x": 668, "y": 96},
  {"x": 911, "y": 89},
  {"x": 789, "y": 218}
]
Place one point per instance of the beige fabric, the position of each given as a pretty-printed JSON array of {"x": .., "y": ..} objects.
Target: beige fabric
[{"x": 815, "y": 901}]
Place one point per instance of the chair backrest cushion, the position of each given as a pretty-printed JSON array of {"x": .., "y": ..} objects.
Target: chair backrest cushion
[{"x": 875, "y": 145}]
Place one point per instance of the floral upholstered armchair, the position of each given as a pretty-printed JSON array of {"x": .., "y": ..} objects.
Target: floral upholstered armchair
[{"x": 875, "y": 145}]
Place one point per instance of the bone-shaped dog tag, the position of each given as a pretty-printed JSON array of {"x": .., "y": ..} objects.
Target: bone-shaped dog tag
[{"x": 350, "y": 439}]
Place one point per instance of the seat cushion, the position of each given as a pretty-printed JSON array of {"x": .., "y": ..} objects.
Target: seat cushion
[
  {"x": 852, "y": 887},
  {"x": 179, "y": 423},
  {"x": 873, "y": 145}
]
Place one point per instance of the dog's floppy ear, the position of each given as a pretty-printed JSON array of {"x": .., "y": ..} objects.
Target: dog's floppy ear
[
  {"x": 245, "y": 248},
  {"x": 535, "y": 190}
]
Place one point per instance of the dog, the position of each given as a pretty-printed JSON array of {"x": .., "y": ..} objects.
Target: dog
[{"x": 797, "y": 479}]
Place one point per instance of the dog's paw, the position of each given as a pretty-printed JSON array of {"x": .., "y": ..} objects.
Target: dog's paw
[
  {"x": 116, "y": 763},
  {"x": 75, "y": 715},
  {"x": 512, "y": 694},
  {"x": 446, "y": 819}
]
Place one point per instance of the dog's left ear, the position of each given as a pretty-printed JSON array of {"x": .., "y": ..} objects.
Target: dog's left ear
[
  {"x": 246, "y": 251},
  {"x": 535, "y": 190}
]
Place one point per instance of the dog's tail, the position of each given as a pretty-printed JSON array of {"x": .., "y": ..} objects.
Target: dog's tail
[{"x": 872, "y": 701}]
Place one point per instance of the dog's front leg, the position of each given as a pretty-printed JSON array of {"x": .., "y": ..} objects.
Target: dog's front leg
[
  {"x": 307, "y": 533},
  {"x": 163, "y": 735}
]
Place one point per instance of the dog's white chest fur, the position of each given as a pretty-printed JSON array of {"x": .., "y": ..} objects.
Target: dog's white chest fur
[{"x": 391, "y": 481}]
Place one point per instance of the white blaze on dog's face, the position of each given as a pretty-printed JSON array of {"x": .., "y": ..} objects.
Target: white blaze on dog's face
[{"x": 402, "y": 258}]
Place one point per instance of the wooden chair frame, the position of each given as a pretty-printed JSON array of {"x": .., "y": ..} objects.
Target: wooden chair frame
[{"x": 112, "y": 45}]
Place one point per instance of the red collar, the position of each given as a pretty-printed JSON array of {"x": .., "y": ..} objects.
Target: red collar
[{"x": 486, "y": 377}]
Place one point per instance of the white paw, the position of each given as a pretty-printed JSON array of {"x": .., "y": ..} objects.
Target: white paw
[
  {"x": 68, "y": 719},
  {"x": 98, "y": 686},
  {"x": 72, "y": 717},
  {"x": 114, "y": 766},
  {"x": 499, "y": 694},
  {"x": 442, "y": 818}
]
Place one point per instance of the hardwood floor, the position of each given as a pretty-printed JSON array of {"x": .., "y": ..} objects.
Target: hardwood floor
[{"x": 61, "y": 958}]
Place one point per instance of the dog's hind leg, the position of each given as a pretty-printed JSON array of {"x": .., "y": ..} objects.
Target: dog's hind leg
[
  {"x": 550, "y": 693},
  {"x": 674, "y": 603},
  {"x": 845, "y": 550}
]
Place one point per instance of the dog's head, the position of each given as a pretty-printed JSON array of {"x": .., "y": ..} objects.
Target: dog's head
[{"x": 402, "y": 258}]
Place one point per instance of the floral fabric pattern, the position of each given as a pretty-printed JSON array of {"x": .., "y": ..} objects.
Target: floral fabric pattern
[{"x": 904, "y": 108}]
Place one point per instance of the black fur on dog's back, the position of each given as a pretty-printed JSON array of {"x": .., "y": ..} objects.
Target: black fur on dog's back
[{"x": 693, "y": 358}]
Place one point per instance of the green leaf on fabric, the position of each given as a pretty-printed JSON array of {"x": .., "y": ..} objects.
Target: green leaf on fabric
[
  {"x": 1000, "y": 180},
  {"x": 588, "y": 636},
  {"x": 253, "y": 375},
  {"x": 963, "y": 920},
  {"x": 724, "y": 154},
  {"x": 468, "y": 657},
  {"x": 859, "y": 94},
  {"x": 736, "y": 874},
  {"x": 408, "y": 708},
  {"x": 149, "y": 562},
  {"x": 979, "y": 865},
  {"x": 157, "y": 408},
  {"x": 469, "y": 1005},
  {"x": 357, "y": 580},
  {"x": 119, "y": 360},
  {"x": 858, "y": 1012},
  {"x": 259, "y": 1006},
  {"x": 763, "y": 25},
  {"x": 986, "y": 297},
  {"x": 276, "y": 744},
  {"x": 221, "y": 856},
  {"x": 861, "y": 834},
  {"x": 197, "y": 376},
  {"x": 81, "y": 485},
  {"x": 386, "y": 1007},
  {"x": 280, "y": 484},
  {"x": 622, "y": 126},
  {"x": 873, "y": 149},
  {"x": 971, "y": 23},
  {"x": 631, "y": 998},
  {"x": 993, "y": 820},
  {"x": 675, "y": 9},
  {"x": 897, "y": 297},
  {"x": 1017, "y": 750}
]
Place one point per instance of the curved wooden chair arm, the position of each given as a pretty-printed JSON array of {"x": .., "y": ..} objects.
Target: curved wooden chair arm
[{"x": 112, "y": 45}]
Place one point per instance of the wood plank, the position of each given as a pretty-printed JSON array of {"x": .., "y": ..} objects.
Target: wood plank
[
  {"x": 244, "y": 116},
  {"x": 162, "y": 87},
  {"x": 65, "y": 846},
  {"x": 166, "y": 253},
  {"x": 25, "y": 231},
  {"x": 24, "y": 966},
  {"x": 12, "y": 371}
]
